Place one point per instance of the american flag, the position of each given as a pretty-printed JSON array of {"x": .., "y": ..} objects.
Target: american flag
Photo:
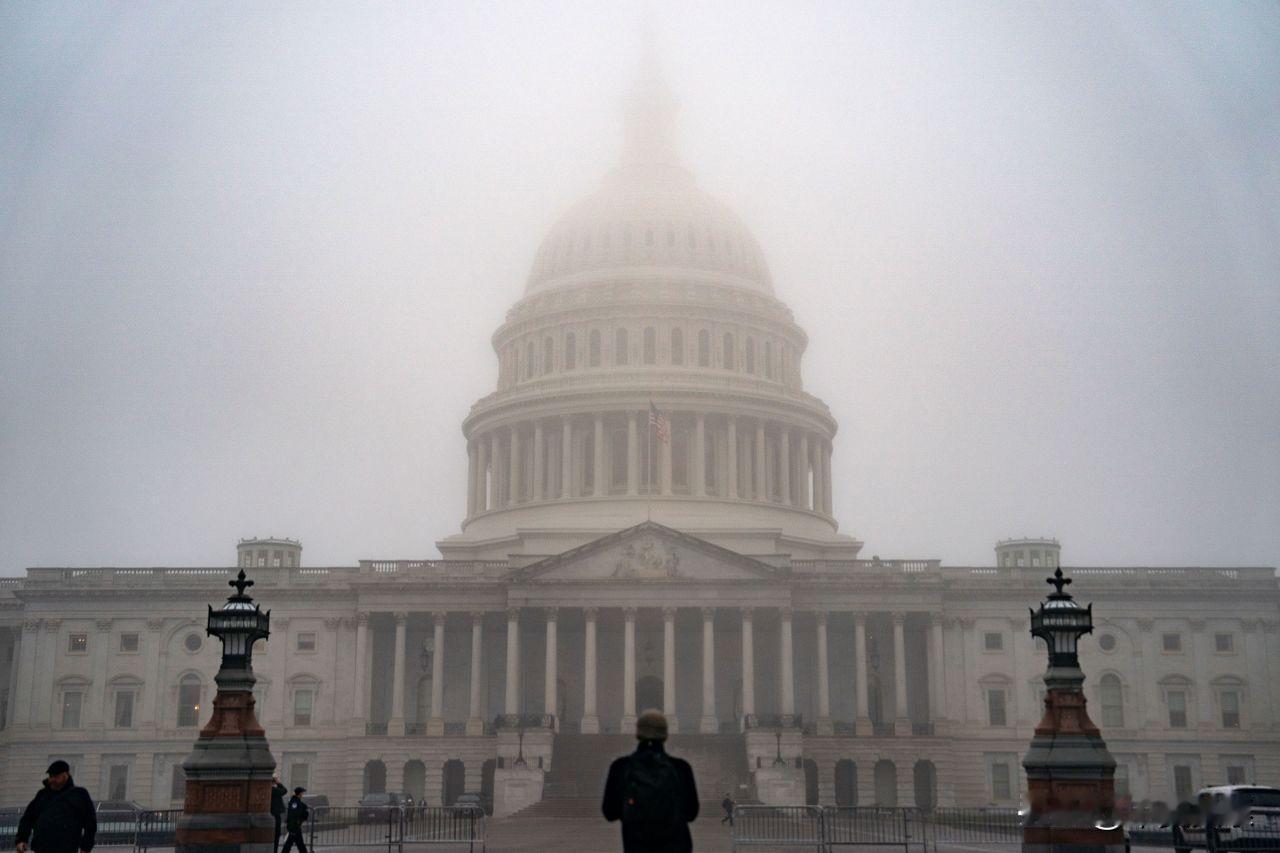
[{"x": 659, "y": 421}]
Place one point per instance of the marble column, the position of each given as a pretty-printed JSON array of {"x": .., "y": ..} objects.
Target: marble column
[
  {"x": 824, "y": 679},
  {"x": 475, "y": 718},
  {"x": 597, "y": 466},
  {"x": 700, "y": 454},
  {"x": 748, "y": 665},
  {"x": 664, "y": 458},
  {"x": 511, "y": 700},
  {"x": 97, "y": 700},
  {"x": 513, "y": 470},
  {"x": 550, "y": 701},
  {"x": 937, "y": 670},
  {"x": 784, "y": 466},
  {"x": 710, "y": 723},
  {"x": 472, "y": 482},
  {"x": 156, "y": 680},
  {"x": 537, "y": 489},
  {"x": 759, "y": 481},
  {"x": 826, "y": 478},
  {"x": 395, "y": 726},
  {"x": 633, "y": 453},
  {"x": 731, "y": 443},
  {"x": 566, "y": 457},
  {"x": 1204, "y": 699},
  {"x": 360, "y": 704},
  {"x": 901, "y": 719},
  {"x": 435, "y": 724},
  {"x": 629, "y": 669},
  {"x": 495, "y": 475},
  {"x": 786, "y": 664},
  {"x": 818, "y": 489},
  {"x": 590, "y": 718},
  {"x": 803, "y": 491},
  {"x": 22, "y": 714},
  {"x": 669, "y": 667},
  {"x": 862, "y": 723}
]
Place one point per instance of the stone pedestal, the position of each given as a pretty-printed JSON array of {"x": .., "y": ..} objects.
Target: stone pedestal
[
  {"x": 435, "y": 727},
  {"x": 590, "y": 725},
  {"x": 862, "y": 727},
  {"x": 516, "y": 788},
  {"x": 824, "y": 726},
  {"x": 780, "y": 786}
]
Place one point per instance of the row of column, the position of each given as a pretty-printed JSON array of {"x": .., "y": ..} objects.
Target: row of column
[
  {"x": 709, "y": 722},
  {"x": 496, "y": 462}
]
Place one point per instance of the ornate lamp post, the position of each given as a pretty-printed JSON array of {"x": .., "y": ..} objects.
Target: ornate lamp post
[
  {"x": 228, "y": 800},
  {"x": 1070, "y": 773}
]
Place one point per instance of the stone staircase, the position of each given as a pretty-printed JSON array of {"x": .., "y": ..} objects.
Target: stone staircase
[{"x": 580, "y": 765}]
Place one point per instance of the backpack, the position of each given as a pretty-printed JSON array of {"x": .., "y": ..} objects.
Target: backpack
[{"x": 651, "y": 798}]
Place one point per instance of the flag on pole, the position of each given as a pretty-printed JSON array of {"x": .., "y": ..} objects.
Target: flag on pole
[{"x": 659, "y": 422}]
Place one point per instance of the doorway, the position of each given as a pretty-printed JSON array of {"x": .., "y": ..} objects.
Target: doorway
[{"x": 648, "y": 692}]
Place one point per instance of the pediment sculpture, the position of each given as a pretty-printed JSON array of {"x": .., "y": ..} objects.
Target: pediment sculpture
[{"x": 647, "y": 559}]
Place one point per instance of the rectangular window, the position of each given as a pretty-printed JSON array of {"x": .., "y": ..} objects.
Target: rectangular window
[
  {"x": 78, "y": 644},
  {"x": 1001, "y": 790},
  {"x": 1172, "y": 642},
  {"x": 1122, "y": 781},
  {"x": 1236, "y": 775},
  {"x": 1182, "y": 787},
  {"x": 188, "y": 704},
  {"x": 1224, "y": 643},
  {"x": 1177, "y": 700},
  {"x": 118, "y": 782},
  {"x": 303, "y": 700},
  {"x": 178, "y": 783},
  {"x": 993, "y": 641},
  {"x": 306, "y": 641},
  {"x": 124, "y": 709},
  {"x": 1230, "y": 702},
  {"x": 72, "y": 700},
  {"x": 129, "y": 643},
  {"x": 996, "y": 707},
  {"x": 299, "y": 775}
]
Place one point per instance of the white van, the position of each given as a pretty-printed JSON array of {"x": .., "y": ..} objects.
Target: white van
[{"x": 1230, "y": 818}]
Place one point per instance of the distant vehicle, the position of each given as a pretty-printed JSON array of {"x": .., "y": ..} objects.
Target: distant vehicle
[
  {"x": 472, "y": 801},
  {"x": 375, "y": 808},
  {"x": 1229, "y": 818},
  {"x": 323, "y": 816}
]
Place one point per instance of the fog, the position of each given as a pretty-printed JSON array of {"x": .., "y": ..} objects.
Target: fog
[{"x": 251, "y": 256}]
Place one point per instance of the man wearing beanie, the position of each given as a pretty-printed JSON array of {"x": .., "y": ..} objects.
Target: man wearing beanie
[
  {"x": 61, "y": 818},
  {"x": 652, "y": 793}
]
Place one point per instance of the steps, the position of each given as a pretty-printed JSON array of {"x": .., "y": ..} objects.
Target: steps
[{"x": 580, "y": 764}]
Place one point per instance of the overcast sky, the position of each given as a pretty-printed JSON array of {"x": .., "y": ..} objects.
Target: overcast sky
[{"x": 251, "y": 255}]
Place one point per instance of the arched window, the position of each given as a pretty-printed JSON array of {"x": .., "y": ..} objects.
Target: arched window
[
  {"x": 1112, "y": 696},
  {"x": 926, "y": 784},
  {"x": 704, "y": 348},
  {"x": 189, "y": 701},
  {"x": 886, "y": 779},
  {"x": 620, "y": 346},
  {"x": 548, "y": 351},
  {"x": 846, "y": 783},
  {"x": 593, "y": 348},
  {"x": 751, "y": 355},
  {"x": 570, "y": 351},
  {"x": 375, "y": 777},
  {"x": 528, "y": 361},
  {"x": 727, "y": 355},
  {"x": 677, "y": 346},
  {"x": 415, "y": 780},
  {"x": 650, "y": 345}
]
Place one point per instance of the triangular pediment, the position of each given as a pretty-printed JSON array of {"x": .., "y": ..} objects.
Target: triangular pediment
[{"x": 648, "y": 553}]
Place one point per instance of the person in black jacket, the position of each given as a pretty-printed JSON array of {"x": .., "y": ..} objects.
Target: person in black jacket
[
  {"x": 61, "y": 816},
  {"x": 652, "y": 793},
  {"x": 295, "y": 816},
  {"x": 277, "y": 807}
]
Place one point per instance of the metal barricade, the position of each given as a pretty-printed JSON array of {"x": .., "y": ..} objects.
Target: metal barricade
[
  {"x": 778, "y": 826},
  {"x": 156, "y": 830},
  {"x": 871, "y": 826},
  {"x": 348, "y": 827},
  {"x": 996, "y": 828},
  {"x": 453, "y": 825}
]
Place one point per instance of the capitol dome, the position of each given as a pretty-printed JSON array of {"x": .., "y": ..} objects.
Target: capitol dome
[{"x": 649, "y": 372}]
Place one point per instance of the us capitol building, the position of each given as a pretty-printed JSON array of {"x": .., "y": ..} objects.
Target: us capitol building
[{"x": 603, "y": 568}]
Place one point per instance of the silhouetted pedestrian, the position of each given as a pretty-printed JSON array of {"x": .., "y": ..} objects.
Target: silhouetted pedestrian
[
  {"x": 277, "y": 807},
  {"x": 727, "y": 805},
  {"x": 295, "y": 816},
  {"x": 61, "y": 818},
  {"x": 652, "y": 793}
]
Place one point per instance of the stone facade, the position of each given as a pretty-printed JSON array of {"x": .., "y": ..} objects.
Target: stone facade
[{"x": 649, "y": 521}]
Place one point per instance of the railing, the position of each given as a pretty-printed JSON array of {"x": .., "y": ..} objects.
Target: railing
[
  {"x": 135, "y": 831},
  {"x": 415, "y": 728},
  {"x": 773, "y": 721},
  {"x": 375, "y": 728},
  {"x": 832, "y": 828},
  {"x": 524, "y": 721},
  {"x": 436, "y": 568},
  {"x": 882, "y": 729},
  {"x": 778, "y": 826},
  {"x": 921, "y": 729},
  {"x": 870, "y": 826},
  {"x": 392, "y": 827}
]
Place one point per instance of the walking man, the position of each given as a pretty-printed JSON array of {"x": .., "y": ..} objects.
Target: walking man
[
  {"x": 727, "y": 805},
  {"x": 61, "y": 818},
  {"x": 295, "y": 816},
  {"x": 652, "y": 793},
  {"x": 277, "y": 807}
]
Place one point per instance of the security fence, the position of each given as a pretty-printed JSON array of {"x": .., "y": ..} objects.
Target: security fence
[{"x": 832, "y": 829}]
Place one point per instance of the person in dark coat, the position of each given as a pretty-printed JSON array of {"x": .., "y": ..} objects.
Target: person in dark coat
[
  {"x": 277, "y": 807},
  {"x": 61, "y": 817},
  {"x": 295, "y": 816},
  {"x": 727, "y": 805},
  {"x": 652, "y": 793}
]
